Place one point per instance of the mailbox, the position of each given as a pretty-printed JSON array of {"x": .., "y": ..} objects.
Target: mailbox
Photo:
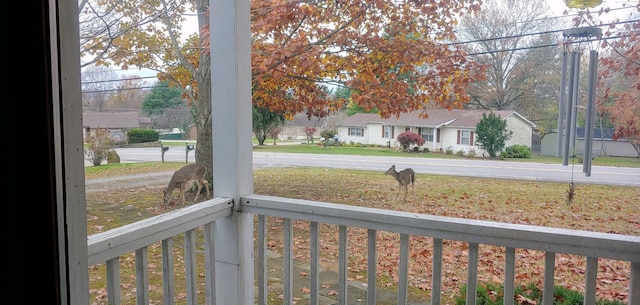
[
  {"x": 190, "y": 146},
  {"x": 163, "y": 149}
]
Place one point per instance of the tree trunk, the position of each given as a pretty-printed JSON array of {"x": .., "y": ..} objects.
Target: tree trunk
[{"x": 204, "y": 149}]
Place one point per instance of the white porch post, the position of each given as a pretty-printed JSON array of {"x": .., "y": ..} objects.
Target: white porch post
[{"x": 232, "y": 147}]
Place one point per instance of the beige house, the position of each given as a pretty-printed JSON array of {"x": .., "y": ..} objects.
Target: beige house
[
  {"x": 295, "y": 129},
  {"x": 117, "y": 123},
  {"x": 442, "y": 130}
]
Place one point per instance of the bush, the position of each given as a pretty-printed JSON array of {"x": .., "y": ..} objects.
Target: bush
[
  {"x": 449, "y": 151},
  {"x": 471, "y": 153},
  {"x": 493, "y": 294},
  {"x": 328, "y": 134},
  {"x": 98, "y": 146},
  {"x": 142, "y": 135},
  {"x": 408, "y": 138},
  {"x": 516, "y": 151}
]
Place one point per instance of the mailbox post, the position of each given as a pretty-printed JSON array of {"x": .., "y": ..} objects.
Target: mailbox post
[
  {"x": 188, "y": 148},
  {"x": 163, "y": 149}
]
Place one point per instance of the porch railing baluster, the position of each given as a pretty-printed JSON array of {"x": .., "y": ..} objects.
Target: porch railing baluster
[
  {"x": 210, "y": 263},
  {"x": 509, "y": 274},
  {"x": 142, "y": 276},
  {"x": 315, "y": 269},
  {"x": 403, "y": 269},
  {"x": 262, "y": 260},
  {"x": 472, "y": 273},
  {"x": 372, "y": 264},
  {"x": 190, "y": 266},
  {"x": 168, "y": 284},
  {"x": 287, "y": 261},
  {"x": 436, "y": 277},
  {"x": 590, "y": 281},
  {"x": 549, "y": 273},
  {"x": 113, "y": 281},
  {"x": 342, "y": 265}
]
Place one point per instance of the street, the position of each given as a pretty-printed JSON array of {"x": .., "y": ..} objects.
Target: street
[{"x": 460, "y": 167}]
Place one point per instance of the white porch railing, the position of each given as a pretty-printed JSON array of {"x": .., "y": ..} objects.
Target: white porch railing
[{"x": 109, "y": 246}]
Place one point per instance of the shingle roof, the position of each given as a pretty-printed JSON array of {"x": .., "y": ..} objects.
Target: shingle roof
[
  {"x": 110, "y": 120},
  {"x": 301, "y": 119},
  {"x": 436, "y": 118}
]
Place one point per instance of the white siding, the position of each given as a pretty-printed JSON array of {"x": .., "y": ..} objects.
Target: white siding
[{"x": 522, "y": 134}]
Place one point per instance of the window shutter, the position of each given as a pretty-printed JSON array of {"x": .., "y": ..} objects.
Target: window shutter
[
  {"x": 438, "y": 135},
  {"x": 382, "y": 131},
  {"x": 458, "y": 140},
  {"x": 471, "y": 135},
  {"x": 393, "y": 128}
]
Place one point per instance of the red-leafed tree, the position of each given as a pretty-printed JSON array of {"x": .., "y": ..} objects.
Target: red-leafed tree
[
  {"x": 408, "y": 138},
  {"x": 622, "y": 65},
  {"x": 619, "y": 74},
  {"x": 310, "y": 131}
]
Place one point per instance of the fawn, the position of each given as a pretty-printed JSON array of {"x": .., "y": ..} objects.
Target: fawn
[
  {"x": 193, "y": 171},
  {"x": 405, "y": 178}
]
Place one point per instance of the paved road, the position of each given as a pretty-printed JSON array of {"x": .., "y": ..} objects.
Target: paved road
[{"x": 462, "y": 167}]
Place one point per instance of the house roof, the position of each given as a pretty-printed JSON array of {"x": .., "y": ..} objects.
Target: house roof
[
  {"x": 302, "y": 120},
  {"x": 436, "y": 118},
  {"x": 110, "y": 120}
]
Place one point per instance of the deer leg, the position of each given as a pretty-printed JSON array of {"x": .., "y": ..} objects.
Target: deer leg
[
  {"x": 198, "y": 191},
  {"x": 205, "y": 183},
  {"x": 405, "y": 193},
  {"x": 183, "y": 188}
]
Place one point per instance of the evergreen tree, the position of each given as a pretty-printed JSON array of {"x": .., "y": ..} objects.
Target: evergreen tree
[
  {"x": 491, "y": 133},
  {"x": 162, "y": 97}
]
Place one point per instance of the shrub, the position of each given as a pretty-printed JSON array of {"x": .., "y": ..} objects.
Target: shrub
[
  {"x": 408, "y": 138},
  {"x": 460, "y": 153},
  {"x": 516, "y": 151},
  {"x": 492, "y": 294},
  {"x": 471, "y": 153},
  {"x": 449, "y": 151},
  {"x": 328, "y": 133},
  {"x": 98, "y": 146},
  {"x": 142, "y": 135}
]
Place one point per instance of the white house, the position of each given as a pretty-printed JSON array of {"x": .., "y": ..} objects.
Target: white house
[{"x": 442, "y": 129}]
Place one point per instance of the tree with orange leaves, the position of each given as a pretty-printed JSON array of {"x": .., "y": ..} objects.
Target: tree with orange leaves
[{"x": 393, "y": 55}]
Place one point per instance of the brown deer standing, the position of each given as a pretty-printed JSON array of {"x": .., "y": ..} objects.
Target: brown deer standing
[
  {"x": 405, "y": 177},
  {"x": 180, "y": 179}
]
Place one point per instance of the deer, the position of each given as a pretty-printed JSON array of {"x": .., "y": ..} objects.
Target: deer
[
  {"x": 405, "y": 178},
  {"x": 181, "y": 177}
]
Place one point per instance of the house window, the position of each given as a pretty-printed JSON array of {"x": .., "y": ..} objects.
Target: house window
[
  {"x": 465, "y": 137},
  {"x": 387, "y": 132},
  {"x": 356, "y": 132},
  {"x": 427, "y": 134}
]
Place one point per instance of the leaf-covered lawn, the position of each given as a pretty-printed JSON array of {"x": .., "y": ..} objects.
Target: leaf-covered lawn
[{"x": 612, "y": 209}]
